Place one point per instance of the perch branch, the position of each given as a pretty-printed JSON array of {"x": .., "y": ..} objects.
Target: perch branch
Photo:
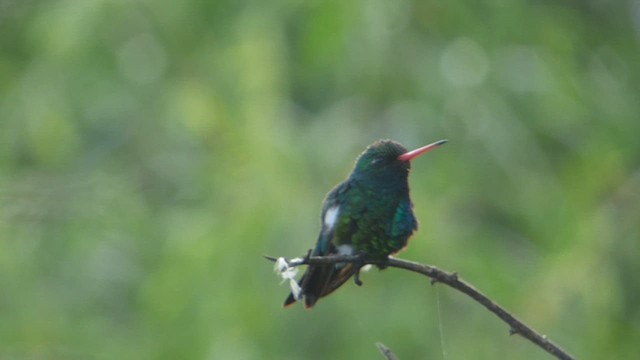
[{"x": 450, "y": 279}]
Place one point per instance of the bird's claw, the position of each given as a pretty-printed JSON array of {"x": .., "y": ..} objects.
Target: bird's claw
[
  {"x": 359, "y": 264},
  {"x": 356, "y": 278}
]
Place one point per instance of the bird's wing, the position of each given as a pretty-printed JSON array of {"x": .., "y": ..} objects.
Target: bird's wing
[
  {"x": 320, "y": 280},
  {"x": 333, "y": 215}
]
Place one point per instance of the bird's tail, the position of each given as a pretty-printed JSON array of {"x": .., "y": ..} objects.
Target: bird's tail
[{"x": 321, "y": 280}]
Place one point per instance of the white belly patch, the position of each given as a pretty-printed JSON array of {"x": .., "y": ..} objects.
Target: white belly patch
[{"x": 345, "y": 249}]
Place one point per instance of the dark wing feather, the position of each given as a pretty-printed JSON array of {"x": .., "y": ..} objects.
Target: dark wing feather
[{"x": 321, "y": 280}]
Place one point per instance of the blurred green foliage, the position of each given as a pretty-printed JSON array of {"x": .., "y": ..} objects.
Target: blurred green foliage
[{"x": 151, "y": 152}]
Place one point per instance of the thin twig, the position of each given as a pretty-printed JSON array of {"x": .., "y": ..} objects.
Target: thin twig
[
  {"x": 386, "y": 352},
  {"x": 452, "y": 280}
]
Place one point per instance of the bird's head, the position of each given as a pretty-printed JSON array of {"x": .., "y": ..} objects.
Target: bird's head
[{"x": 387, "y": 159}]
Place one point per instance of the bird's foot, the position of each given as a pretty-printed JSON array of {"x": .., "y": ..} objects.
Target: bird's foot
[
  {"x": 359, "y": 264},
  {"x": 383, "y": 264},
  {"x": 356, "y": 278}
]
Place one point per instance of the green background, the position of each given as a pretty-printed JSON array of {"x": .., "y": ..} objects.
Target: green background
[{"x": 151, "y": 152}]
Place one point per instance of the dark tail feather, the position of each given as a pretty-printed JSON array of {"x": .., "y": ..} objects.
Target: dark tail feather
[
  {"x": 321, "y": 280},
  {"x": 289, "y": 300}
]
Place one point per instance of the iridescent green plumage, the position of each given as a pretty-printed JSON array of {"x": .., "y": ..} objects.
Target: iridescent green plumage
[{"x": 369, "y": 213}]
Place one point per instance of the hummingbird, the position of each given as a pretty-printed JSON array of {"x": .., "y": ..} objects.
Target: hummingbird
[{"x": 370, "y": 214}]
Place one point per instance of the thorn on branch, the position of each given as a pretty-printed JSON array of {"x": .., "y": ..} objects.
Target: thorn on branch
[{"x": 444, "y": 278}]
